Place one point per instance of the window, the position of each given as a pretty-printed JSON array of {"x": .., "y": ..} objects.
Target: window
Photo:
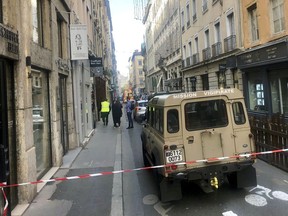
[
  {"x": 205, "y": 82},
  {"x": 194, "y": 10},
  {"x": 204, "y": 6},
  {"x": 230, "y": 24},
  {"x": 60, "y": 35},
  {"x": 139, "y": 62},
  {"x": 1, "y": 12},
  {"x": 278, "y": 15},
  {"x": 238, "y": 113},
  {"x": 252, "y": 11},
  {"x": 205, "y": 114},
  {"x": 188, "y": 15},
  {"x": 140, "y": 72},
  {"x": 172, "y": 121},
  {"x": 196, "y": 47},
  {"x": 221, "y": 79},
  {"x": 37, "y": 22},
  {"x": 207, "y": 41},
  {"x": 256, "y": 92},
  {"x": 217, "y": 32},
  {"x": 183, "y": 21}
]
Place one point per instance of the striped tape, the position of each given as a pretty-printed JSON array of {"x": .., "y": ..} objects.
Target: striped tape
[
  {"x": 4, "y": 185},
  {"x": 5, "y": 200}
]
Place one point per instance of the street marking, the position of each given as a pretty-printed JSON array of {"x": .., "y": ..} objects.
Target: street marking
[
  {"x": 256, "y": 200},
  {"x": 280, "y": 195},
  {"x": 229, "y": 213},
  {"x": 152, "y": 199}
]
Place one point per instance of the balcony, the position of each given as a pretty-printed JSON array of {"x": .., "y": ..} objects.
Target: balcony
[
  {"x": 216, "y": 49},
  {"x": 188, "y": 61},
  {"x": 230, "y": 43},
  {"x": 206, "y": 53},
  {"x": 195, "y": 58}
]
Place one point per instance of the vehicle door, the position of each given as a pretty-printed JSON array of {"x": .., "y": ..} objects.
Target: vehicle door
[
  {"x": 207, "y": 132},
  {"x": 242, "y": 133}
]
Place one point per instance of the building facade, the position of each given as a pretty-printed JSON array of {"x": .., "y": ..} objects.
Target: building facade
[
  {"x": 211, "y": 37},
  {"x": 44, "y": 91},
  {"x": 136, "y": 74},
  {"x": 264, "y": 62},
  {"x": 162, "y": 46}
]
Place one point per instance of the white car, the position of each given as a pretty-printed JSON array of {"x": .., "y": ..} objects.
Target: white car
[{"x": 140, "y": 109}]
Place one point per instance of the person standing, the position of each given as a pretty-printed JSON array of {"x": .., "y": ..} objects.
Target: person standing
[
  {"x": 129, "y": 113},
  {"x": 117, "y": 113},
  {"x": 105, "y": 110}
]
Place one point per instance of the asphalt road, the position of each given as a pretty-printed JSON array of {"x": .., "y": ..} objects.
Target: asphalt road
[{"x": 140, "y": 193}]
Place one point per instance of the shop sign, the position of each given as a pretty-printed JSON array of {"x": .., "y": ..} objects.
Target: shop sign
[
  {"x": 96, "y": 66},
  {"x": 266, "y": 55},
  {"x": 12, "y": 39},
  {"x": 78, "y": 42}
]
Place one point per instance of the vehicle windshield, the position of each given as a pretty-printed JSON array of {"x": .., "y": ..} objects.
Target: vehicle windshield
[
  {"x": 205, "y": 114},
  {"x": 142, "y": 104}
]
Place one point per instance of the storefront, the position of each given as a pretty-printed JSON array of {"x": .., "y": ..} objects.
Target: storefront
[
  {"x": 8, "y": 171},
  {"x": 265, "y": 78}
]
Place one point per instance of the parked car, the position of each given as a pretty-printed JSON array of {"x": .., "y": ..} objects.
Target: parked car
[
  {"x": 191, "y": 134},
  {"x": 140, "y": 109}
]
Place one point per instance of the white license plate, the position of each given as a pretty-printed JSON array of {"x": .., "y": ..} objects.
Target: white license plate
[{"x": 173, "y": 156}]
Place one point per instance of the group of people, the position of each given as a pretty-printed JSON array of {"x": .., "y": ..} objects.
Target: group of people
[{"x": 116, "y": 112}]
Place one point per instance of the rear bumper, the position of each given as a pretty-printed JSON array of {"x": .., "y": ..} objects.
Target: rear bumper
[{"x": 209, "y": 171}]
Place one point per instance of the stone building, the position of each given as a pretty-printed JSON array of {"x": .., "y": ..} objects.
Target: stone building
[
  {"x": 211, "y": 37},
  {"x": 47, "y": 96},
  {"x": 162, "y": 46},
  {"x": 264, "y": 62},
  {"x": 136, "y": 73}
]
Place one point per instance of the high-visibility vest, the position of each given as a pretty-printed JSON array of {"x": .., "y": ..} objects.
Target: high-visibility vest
[{"x": 105, "y": 106}]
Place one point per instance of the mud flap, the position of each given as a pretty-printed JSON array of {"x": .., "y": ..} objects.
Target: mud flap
[
  {"x": 246, "y": 177},
  {"x": 170, "y": 190}
]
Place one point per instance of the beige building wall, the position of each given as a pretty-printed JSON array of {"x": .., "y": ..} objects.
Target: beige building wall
[
  {"x": 263, "y": 14},
  {"x": 211, "y": 33}
]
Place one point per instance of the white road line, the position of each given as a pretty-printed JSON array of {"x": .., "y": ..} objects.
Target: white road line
[{"x": 117, "y": 193}]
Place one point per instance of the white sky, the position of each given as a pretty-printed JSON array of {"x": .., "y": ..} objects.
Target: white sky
[{"x": 127, "y": 32}]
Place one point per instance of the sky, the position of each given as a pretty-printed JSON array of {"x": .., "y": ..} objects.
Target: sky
[{"x": 127, "y": 32}]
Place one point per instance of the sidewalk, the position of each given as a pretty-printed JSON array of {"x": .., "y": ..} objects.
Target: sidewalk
[{"x": 101, "y": 153}]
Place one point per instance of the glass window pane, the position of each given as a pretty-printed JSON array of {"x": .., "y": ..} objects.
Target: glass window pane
[
  {"x": 238, "y": 113},
  {"x": 172, "y": 121}
]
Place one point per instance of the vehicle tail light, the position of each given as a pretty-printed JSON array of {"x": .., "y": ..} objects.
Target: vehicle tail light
[{"x": 174, "y": 167}]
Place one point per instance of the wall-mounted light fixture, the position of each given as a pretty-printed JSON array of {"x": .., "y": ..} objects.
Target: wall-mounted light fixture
[{"x": 28, "y": 64}]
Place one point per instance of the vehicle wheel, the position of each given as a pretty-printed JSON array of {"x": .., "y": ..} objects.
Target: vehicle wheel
[{"x": 145, "y": 160}]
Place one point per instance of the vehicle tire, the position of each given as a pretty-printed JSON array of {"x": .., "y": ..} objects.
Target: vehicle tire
[{"x": 145, "y": 160}]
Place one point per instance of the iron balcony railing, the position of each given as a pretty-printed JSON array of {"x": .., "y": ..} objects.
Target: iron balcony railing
[
  {"x": 230, "y": 43},
  {"x": 206, "y": 53},
  {"x": 195, "y": 58},
  {"x": 216, "y": 49}
]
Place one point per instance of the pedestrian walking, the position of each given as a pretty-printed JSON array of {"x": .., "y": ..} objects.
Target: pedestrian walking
[
  {"x": 117, "y": 113},
  {"x": 129, "y": 110},
  {"x": 105, "y": 110}
]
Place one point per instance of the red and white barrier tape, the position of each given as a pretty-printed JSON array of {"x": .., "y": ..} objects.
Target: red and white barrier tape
[
  {"x": 5, "y": 199},
  {"x": 3, "y": 185}
]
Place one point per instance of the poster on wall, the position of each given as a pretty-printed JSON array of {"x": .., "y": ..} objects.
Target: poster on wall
[{"x": 78, "y": 40}]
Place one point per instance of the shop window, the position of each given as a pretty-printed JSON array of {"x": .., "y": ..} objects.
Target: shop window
[
  {"x": 256, "y": 93},
  {"x": 41, "y": 126},
  {"x": 279, "y": 95},
  {"x": 205, "y": 82}
]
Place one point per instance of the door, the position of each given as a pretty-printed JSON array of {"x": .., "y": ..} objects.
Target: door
[{"x": 63, "y": 113}]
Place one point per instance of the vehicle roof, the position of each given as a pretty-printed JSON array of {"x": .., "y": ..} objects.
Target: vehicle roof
[
  {"x": 142, "y": 101},
  {"x": 176, "y": 99}
]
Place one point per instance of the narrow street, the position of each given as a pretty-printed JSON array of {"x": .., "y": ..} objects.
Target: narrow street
[{"x": 135, "y": 193}]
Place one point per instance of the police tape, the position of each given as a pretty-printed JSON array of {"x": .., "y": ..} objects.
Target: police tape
[
  {"x": 5, "y": 210},
  {"x": 247, "y": 155}
]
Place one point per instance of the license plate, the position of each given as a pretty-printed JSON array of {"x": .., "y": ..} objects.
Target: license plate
[{"x": 173, "y": 156}]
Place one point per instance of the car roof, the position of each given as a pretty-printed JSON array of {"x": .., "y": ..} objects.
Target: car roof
[{"x": 176, "y": 99}]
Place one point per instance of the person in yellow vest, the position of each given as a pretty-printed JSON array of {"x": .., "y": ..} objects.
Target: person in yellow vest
[{"x": 105, "y": 110}]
